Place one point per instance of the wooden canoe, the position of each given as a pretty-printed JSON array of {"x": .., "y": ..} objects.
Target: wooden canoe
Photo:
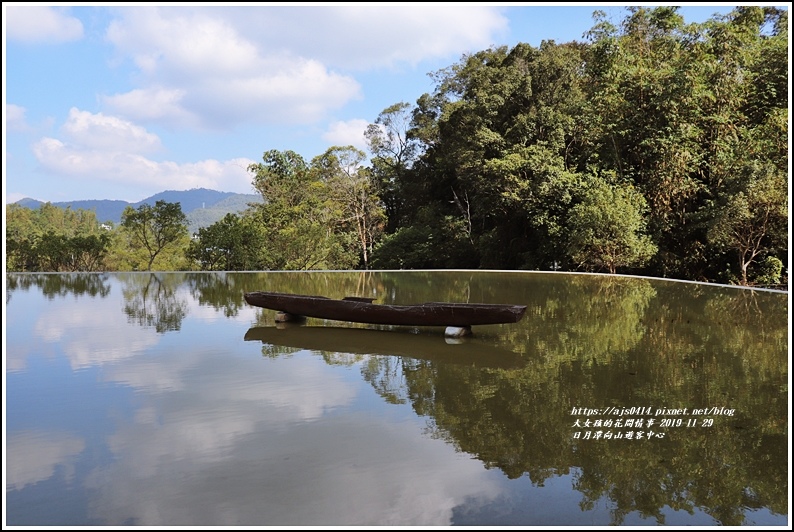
[{"x": 363, "y": 310}]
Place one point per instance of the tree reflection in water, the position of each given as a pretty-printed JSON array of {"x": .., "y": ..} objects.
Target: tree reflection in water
[
  {"x": 153, "y": 300},
  {"x": 593, "y": 340}
]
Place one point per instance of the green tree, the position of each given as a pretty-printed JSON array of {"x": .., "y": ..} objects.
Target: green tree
[
  {"x": 56, "y": 253},
  {"x": 678, "y": 109},
  {"x": 752, "y": 221},
  {"x": 351, "y": 189},
  {"x": 769, "y": 271},
  {"x": 231, "y": 244},
  {"x": 155, "y": 228},
  {"x": 89, "y": 251},
  {"x": 748, "y": 211},
  {"x": 298, "y": 215},
  {"x": 51, "y": 252},
  {"x": 20, "y": 222},
  {"x": 394, "y": 150},
  {"x": 649, "y": 89},
  {"x": 607, "y": 229},
  {"x": 17, "y": 255}
]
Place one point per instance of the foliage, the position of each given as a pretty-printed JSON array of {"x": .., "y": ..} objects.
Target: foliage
[
  {"x": 394, "y": 148},
  {"x": 302, "y": 220},
  {"x": 607, "y": 229},
  {"x": 753, "y": 220},
  {"x": 432, "y": 245},
  {"x": 232, "y": 243},
  {"x": 769, "y": 271},
  {"x": 675, "y": 108},
  {"x": 153, "y": 230},
  {"x": 24, "y": 223},
  {"x": 54, "y": 239},
  {"x": 205, "y": 216},
  {"x": 59, "y": 253},
  {"x": 350, "y": 188},
  {"x": 684, "y": 125}
]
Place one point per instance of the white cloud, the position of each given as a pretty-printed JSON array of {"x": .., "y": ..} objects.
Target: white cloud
[
  {"x": 40, "y": 24},
  {"x": 297, "y": 93},
  {"x": 349, "y": 132},
  {"x": 15, "y": 118},
  {"x": 130, "y": 168},
  {"x": 255, "y": 438},
  {"x": 152, "y": 104},
  {"x": 354, "y": 473},
  {"x": 100, "y": 132},
  {"x": 366, "y": 37},
  {"x": 106, "y": 148},
  {"x": 218, "y": 67},
  {"x": 198, "y": 70},
  {"x": 181, "y": 43}
]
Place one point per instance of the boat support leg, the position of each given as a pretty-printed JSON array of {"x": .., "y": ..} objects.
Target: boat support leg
[
  {"x": 458, "y": 332},
  {"x": 286, "y": 317}
]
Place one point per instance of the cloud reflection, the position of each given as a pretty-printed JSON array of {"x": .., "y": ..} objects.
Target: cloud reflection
[
  {"x": 92, "y": 335},
  {"x": 274, "y": 441},
  {"x": 33, "y": 456},
  {"x": 190, "y": 425}
]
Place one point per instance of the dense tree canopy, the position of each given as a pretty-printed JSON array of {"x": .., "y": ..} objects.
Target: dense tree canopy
[
  {"x": 684, "y": 125},
  {"x": 54, "y": 239}
]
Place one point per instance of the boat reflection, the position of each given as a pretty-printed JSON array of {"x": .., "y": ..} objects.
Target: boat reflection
[{"x": 469, "y": 351}]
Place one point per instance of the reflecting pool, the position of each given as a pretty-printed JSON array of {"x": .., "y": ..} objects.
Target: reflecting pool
[{"x": 163, "y": 399}]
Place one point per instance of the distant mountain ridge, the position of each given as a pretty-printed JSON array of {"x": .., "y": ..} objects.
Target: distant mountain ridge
[{"x": 203, "y": 207}]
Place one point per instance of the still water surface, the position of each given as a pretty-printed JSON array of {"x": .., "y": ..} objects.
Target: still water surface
[{"x": 164, "y": 399}]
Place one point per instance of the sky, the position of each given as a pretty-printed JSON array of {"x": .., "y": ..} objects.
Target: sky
[{"x": 121, "y": 101}]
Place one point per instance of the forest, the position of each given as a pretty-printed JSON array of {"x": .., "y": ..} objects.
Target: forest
[{"x": 653, "y": 147}]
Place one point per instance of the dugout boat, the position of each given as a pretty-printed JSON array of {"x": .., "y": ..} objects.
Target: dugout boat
[{"x": 293, "y": 307}]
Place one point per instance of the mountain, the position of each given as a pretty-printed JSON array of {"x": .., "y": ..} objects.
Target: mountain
[
  {"x": 203, "y": 207},
  {"x": 106, "y": 210}
]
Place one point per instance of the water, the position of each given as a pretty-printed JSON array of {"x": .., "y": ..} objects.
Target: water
[{"x": 163, "y": 399}]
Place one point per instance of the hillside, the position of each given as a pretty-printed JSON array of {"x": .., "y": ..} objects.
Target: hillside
[
  {"x": 202, "y": 206},
  {"x": 204, "y": 217},
  {"x": 190, "y": 200}
]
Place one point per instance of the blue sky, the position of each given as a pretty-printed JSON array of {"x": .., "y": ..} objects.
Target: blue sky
[{"x": 121, "y": 101}]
